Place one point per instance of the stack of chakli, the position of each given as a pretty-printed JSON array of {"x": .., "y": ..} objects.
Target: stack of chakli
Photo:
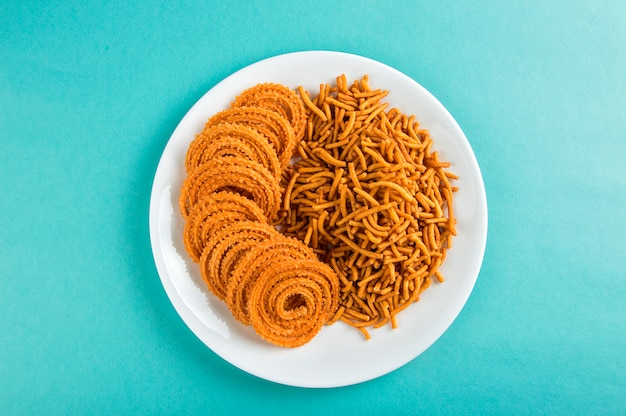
[{"x": 229, "y": 198}]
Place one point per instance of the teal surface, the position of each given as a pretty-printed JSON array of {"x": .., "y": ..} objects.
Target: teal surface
[{"x": 91, "y": 91}]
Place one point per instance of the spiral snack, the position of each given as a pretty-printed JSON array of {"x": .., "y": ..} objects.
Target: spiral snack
[
  {"x": 232, "y": 191},
  {"x": 213, "y": 212},
  {"x": 267, "y": 122},
  {"x": 232, "y": 140},
  {"x": 289, "y": 304},
  {"x": 271, "y": 254},
  {"x": 278, "y": 98},
  {"x": 224, "y": 241},
  {"x": 232, "y": 173}
]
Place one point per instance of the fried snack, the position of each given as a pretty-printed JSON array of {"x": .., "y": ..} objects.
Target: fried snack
[
  {"x": 213, "y": 212},
  {"x": 272, "y": 253},
  {"x": 270, "y": 124},
  {"x": 221, "y": 243},
  {"x": 372, "y": 198},
  {"x": 232, "y": 140},
  {"x": 288, "y": 304},
  {"x": 235, "y": 174},
  {"x": 278, "y": 98},
  {"x": 231, "y": 192}
]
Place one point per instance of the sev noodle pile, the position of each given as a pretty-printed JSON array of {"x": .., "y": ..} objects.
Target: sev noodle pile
[{"x": 371, "y": 198}]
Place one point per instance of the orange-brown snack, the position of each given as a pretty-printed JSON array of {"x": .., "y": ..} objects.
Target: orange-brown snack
[
  {"x": 234, "y": 174},
  {"x": 267, "y": 255},
  {"x": 288, "y": 305},
  {"x": 270, "y": 124},
  {"x": 215, "y": 211},
  {"x": 232, "y": 140},
  {"x": 231, "y": 192},
  {"x": 373, "y": 200},
  {"x": 278, "y": 98},
  {"x": 225, "y": 240}
]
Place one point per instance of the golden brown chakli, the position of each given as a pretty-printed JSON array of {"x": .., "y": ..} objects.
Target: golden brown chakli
[{"x": 231, "y": 192}]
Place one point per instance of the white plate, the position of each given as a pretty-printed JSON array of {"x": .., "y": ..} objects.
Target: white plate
[{"x": 338, "y": 355}]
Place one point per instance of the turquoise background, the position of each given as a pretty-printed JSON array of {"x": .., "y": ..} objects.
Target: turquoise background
[{"x": 91, "y": 91}]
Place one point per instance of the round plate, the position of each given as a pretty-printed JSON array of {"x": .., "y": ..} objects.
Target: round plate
[{"x": 338, "y": 355}]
